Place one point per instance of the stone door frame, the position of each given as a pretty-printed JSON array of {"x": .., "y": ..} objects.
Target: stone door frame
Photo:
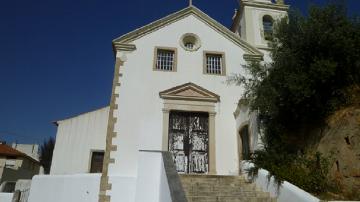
[{"x": 196, "y": 99}]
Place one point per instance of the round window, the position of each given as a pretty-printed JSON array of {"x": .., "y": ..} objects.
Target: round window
[{"x": 190, "y": 42}]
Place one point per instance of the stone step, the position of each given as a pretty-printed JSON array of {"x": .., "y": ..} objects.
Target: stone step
[
  {"x": 219, "y": 189},
  {"x": 219, "y": 181},
  {"x": 220, "y": 185},
  {"x": 226, "y": 180},
  {"x": 242, "y": 194},
  {"x": 209, "y": 177},
  {"x": 222, "y": 188},
  {"x": 229, "y": 199}
]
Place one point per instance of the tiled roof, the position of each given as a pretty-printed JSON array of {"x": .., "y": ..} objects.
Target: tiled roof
[{"x": 6, "y": 150}]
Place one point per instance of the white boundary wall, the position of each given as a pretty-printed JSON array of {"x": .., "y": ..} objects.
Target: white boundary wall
[
  {"x": 76, "y": 138},
  {"x": 152, "y": 184},
  {"x": 61, "y": 188},
  {"x": 123, "y": 188},
  {"x": 287, "y": 191},
  {"x": 6, "y": 197}
]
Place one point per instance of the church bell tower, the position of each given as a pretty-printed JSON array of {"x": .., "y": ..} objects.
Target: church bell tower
[{"x": 254, "y": 20}]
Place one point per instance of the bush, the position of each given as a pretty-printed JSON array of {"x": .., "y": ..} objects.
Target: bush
[
  {"x": 315, "y": 59},
  {"x": 308, "y": 172}
]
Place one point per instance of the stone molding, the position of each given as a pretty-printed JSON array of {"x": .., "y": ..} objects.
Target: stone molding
[
  {"x": 223, "y": 61},
  {"x": 242, "y": 102},
  {"x": 189, "y": 91},
  {"x": 277, "y": 6},
  {"x": 203, "y": 101},
  {"x": 111, "y": 133},
  {"x": 195, "y": 39},
  {"x": 126, "y": 39},
  {"x": 174, "y": 66},
  {"x": 123, "y": 47}
]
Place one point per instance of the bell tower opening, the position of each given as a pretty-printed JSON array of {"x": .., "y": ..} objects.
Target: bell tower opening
[
  {"x": 268, "y": 24},
  {"x": 254, "y": 20}
]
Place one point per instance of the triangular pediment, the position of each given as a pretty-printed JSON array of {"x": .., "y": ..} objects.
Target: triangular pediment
[
  {"x": 124, "y": 42},
  {"x": 190, "y": 91}
]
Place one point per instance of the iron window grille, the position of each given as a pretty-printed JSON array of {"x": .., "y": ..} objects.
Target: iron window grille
[
  {"x": 214, "y": 64},
  {"x": 165, "y": 60},
  {"x": 189, "y": 46}
]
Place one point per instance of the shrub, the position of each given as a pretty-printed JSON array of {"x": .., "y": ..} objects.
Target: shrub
[{"x": 308, "y": 172}]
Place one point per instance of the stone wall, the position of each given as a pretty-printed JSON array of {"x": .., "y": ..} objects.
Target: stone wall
[{"x": 341, "y": 140}]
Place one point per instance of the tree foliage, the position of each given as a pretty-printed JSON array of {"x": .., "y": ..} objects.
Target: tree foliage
[
  {"x": 309, "y": 173},
  {"x": 315, "y": 60},
  {"x": 46, "y": 153}
]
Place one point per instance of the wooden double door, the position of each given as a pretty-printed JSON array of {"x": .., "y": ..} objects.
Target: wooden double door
[{"x": 189, "y": 141}]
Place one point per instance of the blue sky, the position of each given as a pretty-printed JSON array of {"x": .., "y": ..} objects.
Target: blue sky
[{"x": 57, "y": 60}]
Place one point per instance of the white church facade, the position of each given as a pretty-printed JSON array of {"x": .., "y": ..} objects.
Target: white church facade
[{"x": 170, "y": 94}]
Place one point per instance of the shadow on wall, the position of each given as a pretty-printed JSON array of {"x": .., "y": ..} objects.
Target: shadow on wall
[{"x": 13, "y": 175}]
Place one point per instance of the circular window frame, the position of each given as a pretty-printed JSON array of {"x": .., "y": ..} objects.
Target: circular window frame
[{"x": 190, "y": 38}]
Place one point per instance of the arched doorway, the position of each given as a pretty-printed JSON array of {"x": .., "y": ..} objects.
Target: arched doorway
[{"x": 245, "y": 141}]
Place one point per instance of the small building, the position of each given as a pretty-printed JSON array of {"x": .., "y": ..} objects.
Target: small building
[
  {"x": 15, "y": 165},
  {"x": 80, "y": 143},
  {"x": 31, "y": 150}
]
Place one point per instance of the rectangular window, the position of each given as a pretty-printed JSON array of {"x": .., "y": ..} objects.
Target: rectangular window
[
  {"x": 214, "y": 63},
  {"x": 165, "y": 59},
  {"x": 97, "y": 159},
  {"x": 10, "y": 162}
]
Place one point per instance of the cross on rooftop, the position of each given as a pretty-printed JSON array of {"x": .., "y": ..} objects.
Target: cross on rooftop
[{"x": 190, "y": 2}]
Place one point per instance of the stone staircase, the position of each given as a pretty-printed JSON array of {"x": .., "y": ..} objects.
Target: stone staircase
[{"x": 216, "y": 188}]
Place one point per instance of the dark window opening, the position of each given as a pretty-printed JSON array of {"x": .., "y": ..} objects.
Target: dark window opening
[
  {"x": 245, "y": 140},
  {"x": 97, "y": 159},
  {"x": 347, "y": 140},
  {"x": 189, "y": 45},
  {"x": 268, "y": 27},
  {"x": 337, "y": 166},
  {"x": 8, "y": 187}
]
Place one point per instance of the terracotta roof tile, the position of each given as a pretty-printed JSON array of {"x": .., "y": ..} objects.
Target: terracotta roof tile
[{"x": 6, "y": 150}]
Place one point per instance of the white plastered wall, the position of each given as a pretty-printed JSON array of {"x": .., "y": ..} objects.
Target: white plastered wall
[
  {"x": 139, "y": 115},
  {"x": 253, "y": 17},
  {"x": 245, "y": 117},
  {"x": 76, "y": 138},
  {"x": 65, "y": 188}
]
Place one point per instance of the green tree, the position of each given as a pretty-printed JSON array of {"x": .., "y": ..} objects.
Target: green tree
[
  {"x": 315, "y": 69},
  {"x": 46, "y": 153},
  {"x": 315, "y": 61}
]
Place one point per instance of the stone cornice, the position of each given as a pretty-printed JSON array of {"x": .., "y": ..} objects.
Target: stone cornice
[
  {"x": 242, "y": 102},
  {"x": 124, "y": 47},
  {"x": 189, "y": 91},
  {"x": 264, "y": 48},
  {"x": 249, "y": 57},
  {"x": 191, "y": 10},
  {"x": 265, "y": 5}
]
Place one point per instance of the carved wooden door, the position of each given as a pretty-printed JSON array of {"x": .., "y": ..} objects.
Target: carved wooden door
[{"x": 188, "y": 141}]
